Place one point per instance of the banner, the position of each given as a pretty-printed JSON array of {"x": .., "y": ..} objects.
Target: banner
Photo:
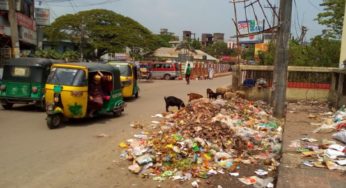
[
  {"x": 27, "y": 35},
  {"x": 25, "y": 21},
  {"x": 250, "y": 26},
  {"x": 42, "y": 16}
]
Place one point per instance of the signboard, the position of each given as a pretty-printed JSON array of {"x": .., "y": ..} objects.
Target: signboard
[
  {"x": 42, "y": 16},
  {"x": 251, "y": 39},
  {"x": 25, "y": 21},
  {"x": 250, "y": 26},
  {"x": 4, "y": 5},
  {"x": 4, "y": 30},
  {"x": 263, "y": 47},
  {"x": 27, "y": 35}
]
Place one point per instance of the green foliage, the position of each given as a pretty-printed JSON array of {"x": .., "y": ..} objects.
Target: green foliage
[
  {"x": 53, "y": 54},
  {"x": 248, "y": 53},
  {"x": 267, "y": 58},
  {"x": 164, "y": 40},
  {"x": 102, "y": 29},
  {"x": 321, "y": 52},
  {"x": 218, "y": 49},
  {"x": 196, "y": 44},
  {"x": 332, "y": 17}
]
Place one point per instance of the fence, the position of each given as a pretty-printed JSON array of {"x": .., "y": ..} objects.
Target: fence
[
  {"x": 302, "y": 82},
  {"x": 200, "y": 70}
]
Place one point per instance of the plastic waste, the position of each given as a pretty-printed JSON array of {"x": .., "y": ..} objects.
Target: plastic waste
[
  {"x": 325, "y": 128},
  {"x": 263, "y": 183},
  {"x": 144, "y": 159},
  {"x": 341, "y": 136}
]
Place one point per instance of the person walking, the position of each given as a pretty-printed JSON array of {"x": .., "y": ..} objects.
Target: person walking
[{"x": 187, "y": 74}]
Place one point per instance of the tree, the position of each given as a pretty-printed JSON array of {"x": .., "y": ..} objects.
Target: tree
[
  {"x": 196, "y": 44},
  {"x": 332, "y": 17},
  {"x": 320, "y": 51},
  {"x": 218, "y": 49},
  {"x": 165, "y": 39},
  {"x": 103, "y": 30}
]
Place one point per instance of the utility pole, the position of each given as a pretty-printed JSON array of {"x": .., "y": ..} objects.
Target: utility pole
[
  {"x": 343, "y": 44},
  {"x": 14, "y": 28},
  {"x": 302, "y": 35},
  {"x": 281, "y": 59},
  {"x": 82, "y": 27},
  {"x": 236, "y": 76}
]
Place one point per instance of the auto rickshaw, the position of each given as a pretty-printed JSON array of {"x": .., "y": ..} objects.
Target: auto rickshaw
[
  {"x": 70, "y": 92},
  {"x": 128, "y": 76},
  {"x": 23, "y": 81}
]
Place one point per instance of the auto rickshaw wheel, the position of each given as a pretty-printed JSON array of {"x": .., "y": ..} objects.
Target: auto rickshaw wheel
[
  {"x": 7, "y": 106},
  {"x": 117, "y": 113},
  {"x": 54, "y": 121}
]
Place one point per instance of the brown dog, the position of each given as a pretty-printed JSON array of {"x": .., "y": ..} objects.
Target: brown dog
[{"x": 193, "y": 96}]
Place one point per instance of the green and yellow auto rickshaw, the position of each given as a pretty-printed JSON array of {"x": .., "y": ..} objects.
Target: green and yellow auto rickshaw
[
  {"x": 23, "y": 81},
  {"x": 81, "y": 90},
  {"x": 128, "y": 76}
]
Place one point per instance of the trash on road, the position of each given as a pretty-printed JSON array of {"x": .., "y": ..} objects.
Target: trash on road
[{"x": 206, "y": 138}]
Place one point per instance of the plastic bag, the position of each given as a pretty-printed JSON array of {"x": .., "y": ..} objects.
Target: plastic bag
[{"x": 341, "y": 136}]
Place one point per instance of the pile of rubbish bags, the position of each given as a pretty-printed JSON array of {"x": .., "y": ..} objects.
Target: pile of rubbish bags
[
  {"x": 205, "y": 138},
  {"x": 327, "y": 153}
]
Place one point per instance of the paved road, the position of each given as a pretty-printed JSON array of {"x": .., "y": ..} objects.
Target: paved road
[{"x": 72, "y": 156}]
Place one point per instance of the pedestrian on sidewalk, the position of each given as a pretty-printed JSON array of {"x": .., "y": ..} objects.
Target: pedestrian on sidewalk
[
  {"x": 211, "y": 73},
  {"x": 187, "y": 74}
]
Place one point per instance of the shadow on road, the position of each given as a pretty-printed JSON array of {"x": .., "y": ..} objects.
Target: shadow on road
[
  {"x": 26, "y": 108},
  {"x": 101, "y": 119}
]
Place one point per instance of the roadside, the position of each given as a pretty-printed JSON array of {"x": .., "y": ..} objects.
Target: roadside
[{"x": 302, "y": 119}]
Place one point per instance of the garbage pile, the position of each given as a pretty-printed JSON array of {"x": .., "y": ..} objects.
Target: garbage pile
[
  {"x": 330, "y": 154},
  {"x": 205, "y": 138}
]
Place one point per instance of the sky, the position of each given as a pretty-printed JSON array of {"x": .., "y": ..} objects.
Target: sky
[{"x": 198, "y": 16}]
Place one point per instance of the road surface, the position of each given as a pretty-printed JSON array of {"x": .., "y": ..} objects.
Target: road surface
[{"x": 73, "y": 156}]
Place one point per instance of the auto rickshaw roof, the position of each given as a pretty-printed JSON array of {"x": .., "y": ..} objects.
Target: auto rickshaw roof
[
  {"x": 31, "y": 62},
  {"x": 94, "y": 67},
  {"x": 120, "y": 63}
]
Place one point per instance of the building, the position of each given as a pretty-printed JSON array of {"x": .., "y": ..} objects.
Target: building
[
  {"x": 163, "y": 31},
  {"x": 207, "y": 39},
  {"x": 173, "y": 54},
  {"x": 187, "y": 35},
  {"x": 27, "y": 34},
  {"x": 218, "y": 37}
]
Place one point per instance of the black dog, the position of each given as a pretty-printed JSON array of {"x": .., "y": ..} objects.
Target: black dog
[
  {"x": 173, "y": 101},
  {"x": 212, "y": 95}
]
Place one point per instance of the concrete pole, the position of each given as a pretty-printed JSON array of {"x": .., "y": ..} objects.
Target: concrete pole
[
  {"x": 14, "y": 28},
  {"x": 280, "y": 73},
  {"x": 343, "y": 44}
]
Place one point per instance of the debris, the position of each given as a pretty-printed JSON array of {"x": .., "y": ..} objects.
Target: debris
[
  {"x": 102, "y": 135},
  {"x": 295, "y": 144},
  {"x": 235, "y": 174},
  {"x": 157, "y": 116},
  {"x": 135, "y": 168},
  {"x": 206, "y": 138},
  {"x": 341, "y": 136},
  {"x": 195, "y": 184},
  {"x": 123, "y": 145},
  {"x": 309, "y": 139},
  {"x": 144, "y": 159},
  {"x": 325, "y": 129},
  {"x": 308, "y": 163},
  {"x": 341, "y": 162},
  {"x": 261, "y": 172},
  {"x": 248, "y": 180},
  {"x": 136, "y": 125}
]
